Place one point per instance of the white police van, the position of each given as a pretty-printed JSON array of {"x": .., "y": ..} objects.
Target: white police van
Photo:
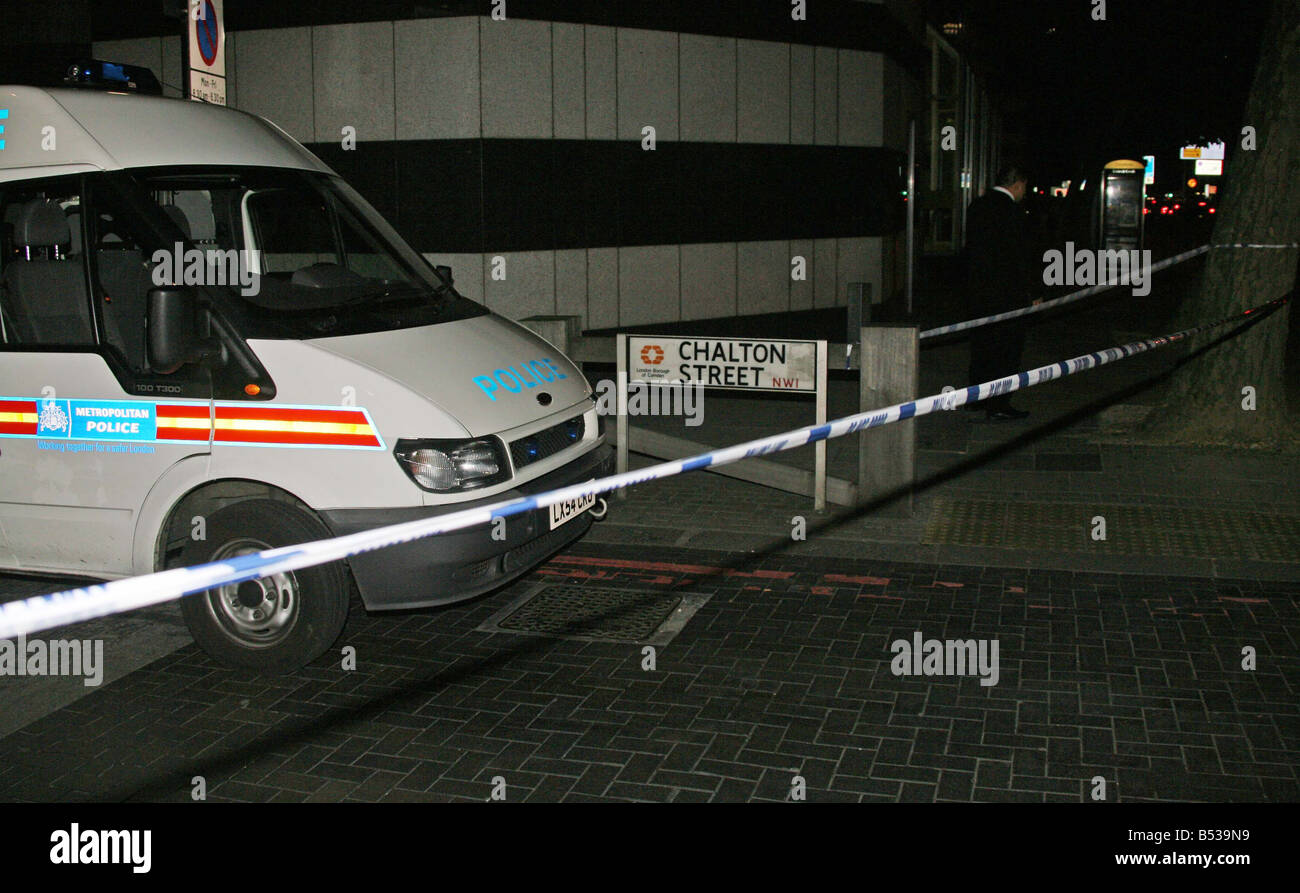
[{"x": 210, "y": 345}]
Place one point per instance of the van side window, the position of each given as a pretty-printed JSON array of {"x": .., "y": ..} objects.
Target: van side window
[{"x": 44, "y": 299}]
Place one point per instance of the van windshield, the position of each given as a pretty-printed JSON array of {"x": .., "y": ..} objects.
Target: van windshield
[{"x": 295, "y": 254}]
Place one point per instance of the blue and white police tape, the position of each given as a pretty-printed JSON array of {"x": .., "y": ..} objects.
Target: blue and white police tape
[
  {"x": 19, "y": 618},
  {"x": 1082, "y": 293},
  {"x": 1057, "y": 302}
]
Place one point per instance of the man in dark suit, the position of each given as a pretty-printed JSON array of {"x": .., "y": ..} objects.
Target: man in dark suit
[{"x": 1000, "y": 277}]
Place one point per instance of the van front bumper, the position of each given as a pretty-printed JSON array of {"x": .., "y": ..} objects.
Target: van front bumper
[{"x": 451, "y": 567}]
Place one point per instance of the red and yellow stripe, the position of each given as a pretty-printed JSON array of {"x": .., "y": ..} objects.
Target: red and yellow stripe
[
  {"x": 270, "y": 425},
  {"x": 183, "y": 422},
  {"x": 18, "y": 417}
]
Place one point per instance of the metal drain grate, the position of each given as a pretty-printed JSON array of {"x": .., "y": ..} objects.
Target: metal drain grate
[
  {"x": 598, "y": 615},
  {"x": 1130, "y": 529}
]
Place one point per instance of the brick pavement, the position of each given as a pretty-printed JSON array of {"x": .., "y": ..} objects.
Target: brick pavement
[{"x": 785, "y": 671}]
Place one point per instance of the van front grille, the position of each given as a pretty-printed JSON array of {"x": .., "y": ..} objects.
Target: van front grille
[{"x": 547, "y": 442}]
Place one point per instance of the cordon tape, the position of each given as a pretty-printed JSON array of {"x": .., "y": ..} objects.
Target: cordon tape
[
  {"x": 26, "y": 616},
  {"x": 1087, "y": 292}
]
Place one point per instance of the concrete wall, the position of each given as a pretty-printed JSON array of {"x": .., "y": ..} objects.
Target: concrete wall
[{"x": 475, "y": 78}]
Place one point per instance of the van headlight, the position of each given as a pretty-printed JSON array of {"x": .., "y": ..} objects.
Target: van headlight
[{"x": 443, "y": 466}]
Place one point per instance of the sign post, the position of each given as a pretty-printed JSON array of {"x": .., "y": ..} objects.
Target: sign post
[
  {"x": 620, "y": 416},
  {"x": 735, "y": 364},
  {"x": 819, "y": 454},
  {"x": 207, "y": 51}
]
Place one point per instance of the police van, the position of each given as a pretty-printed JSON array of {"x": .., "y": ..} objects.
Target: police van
[{"x": 210, "y": 345}]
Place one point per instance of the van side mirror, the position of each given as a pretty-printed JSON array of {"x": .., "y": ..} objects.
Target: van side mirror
[
  {"x": 445, "y": 272},
  {"x": 173, "y": 329}
]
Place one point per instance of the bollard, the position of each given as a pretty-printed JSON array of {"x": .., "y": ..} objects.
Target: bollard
[{"x": 887, "y": 456}]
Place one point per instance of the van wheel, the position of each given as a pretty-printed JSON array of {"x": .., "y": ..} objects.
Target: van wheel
[{"x": 277, "y": 623}]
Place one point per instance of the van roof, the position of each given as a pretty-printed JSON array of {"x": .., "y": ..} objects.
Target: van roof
[{"x": 96, "y": 130}]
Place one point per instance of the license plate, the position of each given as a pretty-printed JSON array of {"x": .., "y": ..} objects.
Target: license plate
[{"x": 564, "y": 512}]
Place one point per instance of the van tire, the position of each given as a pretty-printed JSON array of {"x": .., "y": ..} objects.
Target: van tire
[{"x": 279, "y": 623}]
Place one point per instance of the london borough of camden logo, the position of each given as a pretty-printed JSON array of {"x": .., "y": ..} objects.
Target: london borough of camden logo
[
  {"x": 652, "y": 354},
  {"x": 53, "y": 419}
]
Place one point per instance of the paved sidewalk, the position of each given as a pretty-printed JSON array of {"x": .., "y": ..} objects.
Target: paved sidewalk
[
  {"x": 783, "y": 678},
  {"x": 1008, "y": 494}
]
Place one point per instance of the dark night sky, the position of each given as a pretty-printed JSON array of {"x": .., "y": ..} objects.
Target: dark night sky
[{"x": 1155, "y": 75}]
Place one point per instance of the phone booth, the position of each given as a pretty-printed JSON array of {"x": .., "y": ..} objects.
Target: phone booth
[{"x": 1121, "y": 196}]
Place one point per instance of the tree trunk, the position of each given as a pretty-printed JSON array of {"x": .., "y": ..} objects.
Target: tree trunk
[{"x": 1206, "y": 396}]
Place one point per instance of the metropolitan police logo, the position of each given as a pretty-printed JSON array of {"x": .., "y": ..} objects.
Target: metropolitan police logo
[{"x": 52, "y": 419}]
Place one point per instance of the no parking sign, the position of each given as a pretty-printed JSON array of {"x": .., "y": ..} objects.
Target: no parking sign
[{"x": 207, "y": 42}]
